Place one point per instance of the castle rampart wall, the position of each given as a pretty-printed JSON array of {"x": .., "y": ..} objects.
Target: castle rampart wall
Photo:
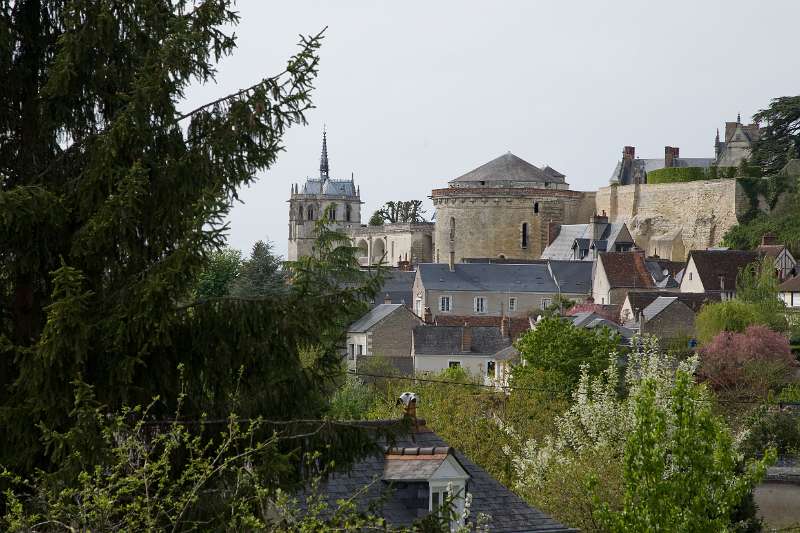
[{"x": 701, "y": 211}]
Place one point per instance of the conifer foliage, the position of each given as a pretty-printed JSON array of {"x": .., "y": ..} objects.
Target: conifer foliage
[{"x": 112, "y": 198}]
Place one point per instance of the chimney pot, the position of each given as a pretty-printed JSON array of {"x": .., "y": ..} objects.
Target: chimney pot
[
  {"x": 553, "y": 230},
  {"x": 671, "y": 154},
  {"x": 387, "y": 299},
  {"x": 428, "y": 316}
]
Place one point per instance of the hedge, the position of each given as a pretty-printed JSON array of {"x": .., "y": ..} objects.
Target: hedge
[{"x": 678, "y": 175}]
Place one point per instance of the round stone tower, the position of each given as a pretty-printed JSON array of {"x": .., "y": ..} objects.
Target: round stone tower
[
  {"x": 308, "y": 203},
  {"x": 502, "y": 210}
]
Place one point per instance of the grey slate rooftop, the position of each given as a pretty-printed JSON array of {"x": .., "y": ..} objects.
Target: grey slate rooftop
[
  {"x": 329, "y": 187},
  {"x": 510, "y": 169},
  {"x": 372, "y": 317},
  {"x": 571, "y": 236},
  {"x": 573, "y": 277},
  {"x": 508, "y": 512},
  {"x": 492, "y": 277},
  {"x": 447, "y": 340}
]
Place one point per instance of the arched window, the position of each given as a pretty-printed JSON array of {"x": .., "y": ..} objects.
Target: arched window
[
  {"x": 310, "y": 212},
  {"x": 524, "y": 234},
  {"x": 300, "y": 213},
  {"x": 535, "y": 207},
  {"x": 452, "y": 228},
  {"x": 333, "y": 212},
  {"x": 347, "y": 212}
]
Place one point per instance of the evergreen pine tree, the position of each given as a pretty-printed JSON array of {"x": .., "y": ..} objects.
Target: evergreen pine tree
[{"x": 112, "y": 199}]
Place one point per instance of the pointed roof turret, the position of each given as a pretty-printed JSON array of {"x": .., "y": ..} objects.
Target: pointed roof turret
[{"x": 324, "y": 171}]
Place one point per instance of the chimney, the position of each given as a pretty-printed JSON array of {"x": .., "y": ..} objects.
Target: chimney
[
  {"x": 409, "y": 402},
  {"x": 628, "y": 153},
  {"x": 505, "y": 327},
  {"x": 466, "y": 338},
  {"x": 452, "y": 261},
  {"x": 427, "y": 315},
  {"x": 387, "y": 299},
  {"x": 769, "y": 238},
  {"x": 597, "y": 225},
  {"x": 553, "y": 230},
  {"x": 670, "y": 156}
]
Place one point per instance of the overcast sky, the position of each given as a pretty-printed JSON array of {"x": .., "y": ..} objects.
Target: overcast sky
[{"x": 416, "y": 93}]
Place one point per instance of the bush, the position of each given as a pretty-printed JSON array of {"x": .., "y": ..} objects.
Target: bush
[
  {"x": 678, "y": 175},
  {"x": 753, "y": 363},
  {"x": 768, "y": 427}
]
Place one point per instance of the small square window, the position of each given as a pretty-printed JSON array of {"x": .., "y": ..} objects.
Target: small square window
[
  {"x": 480, "y": 304},
  {"x": 454, "y": 364},
  {"x": 490, "y": 368},
  {"x": 512, "y": 304},
  {"x": 444, "y": 304},
  {"x": 546, "y": 302}
]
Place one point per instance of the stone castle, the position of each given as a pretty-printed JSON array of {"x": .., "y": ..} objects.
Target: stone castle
[{"x": 508, "y": 208}]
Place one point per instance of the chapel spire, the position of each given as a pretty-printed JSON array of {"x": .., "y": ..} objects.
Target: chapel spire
[{"x": 323, "y": 162}]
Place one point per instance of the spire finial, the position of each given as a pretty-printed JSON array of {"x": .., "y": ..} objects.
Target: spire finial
[
  {"x": 323, "y": 162},
  {"x": 738, "y": 118},
  {"x": 717, "y": 139}
]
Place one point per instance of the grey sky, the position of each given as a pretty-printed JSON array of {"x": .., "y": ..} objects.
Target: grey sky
[{"x": 416, "y": 93}]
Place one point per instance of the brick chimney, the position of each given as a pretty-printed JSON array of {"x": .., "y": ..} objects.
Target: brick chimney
[
  {"x": 670, "y": 156},
  {"x": 769, "y": 238},
  {"x": 466, "y": 338},
  {"x": 387, "y": 299},
  {"x": 628, "y": 155},
  {"x": 553, "y": 230},
  {"x": 427, "y": 315},
  {"x": 505, "y": 327}
]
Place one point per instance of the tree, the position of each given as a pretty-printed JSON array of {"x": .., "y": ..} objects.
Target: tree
[
  {"x": 401, "y": 211},
  {"x": 219, "y": 275},
  {"x": 112, "y": 203},
  {"x": 751, "y": 363},
  {"x": 780, "y": 134},
  {"x": 731, "y": 315},
  {"x": 681, "y": 470},
  {"x": 555, "y": 345},
  {"x": 261, "y": 274}
]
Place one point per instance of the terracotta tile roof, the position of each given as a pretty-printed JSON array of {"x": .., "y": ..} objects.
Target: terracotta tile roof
[
  {"x": 626, "y": 269},
  {"x": 713, "y": 265},
  {"x": 770, "y": 250},
  {"x": 790, "y": 285}
]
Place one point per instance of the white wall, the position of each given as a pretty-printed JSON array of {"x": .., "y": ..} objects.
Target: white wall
[
  {"x": 691, "y": 279},
  {"x": 474, "y": 364},
  {"x": 791, "y": 299}
]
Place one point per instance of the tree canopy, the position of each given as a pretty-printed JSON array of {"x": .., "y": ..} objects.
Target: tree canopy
[
  {"x": 400, "y": 211},
  {"x": 112, "y": 202},
  {"x": 780, "y": 136}
]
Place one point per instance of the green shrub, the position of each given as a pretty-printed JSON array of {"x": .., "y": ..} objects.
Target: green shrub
[{"x": 679, "y": 175}]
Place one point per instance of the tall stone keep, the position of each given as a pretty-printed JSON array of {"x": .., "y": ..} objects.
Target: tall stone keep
[
  {"x": 307, "y": 204},
  {"x": 502, "y": 210}
]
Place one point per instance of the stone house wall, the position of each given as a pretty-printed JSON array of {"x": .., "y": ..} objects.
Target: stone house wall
[
  {"x": 675, "y": 321},
  {"x": 462, "y": 303}
]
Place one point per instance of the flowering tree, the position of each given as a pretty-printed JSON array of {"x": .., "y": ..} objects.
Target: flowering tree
[
  {"x": 750, "y": 363},
  {"x": 583, "y": 473},
  {"x": 681, "y": 469}
]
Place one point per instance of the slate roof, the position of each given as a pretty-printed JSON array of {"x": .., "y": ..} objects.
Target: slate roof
[
  {"x": 562, "y": 246},
  {"x": 573, "y": 277},
  {"x": 658, "y": 305},
  {"x": 372, "y": 317},
  {"x": 626, "y": 269},
  {"x": 790, "y": 285},
  {"x": 489, "y": 277},
  {"x": 519, "y": 325},
  {"x": 509, "y": 513},
  {"x": 508, "y": 353},
  {"x": 329, "y": 187},
  {"x": 664, "y": 272},
  {"x": 510, "y": 168},
  {"x": 692, "y": 300},
  {"x": 447, "y": 340},
  {"x": 711, "y": 264},
  {"x": 398, "y": 286}
]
